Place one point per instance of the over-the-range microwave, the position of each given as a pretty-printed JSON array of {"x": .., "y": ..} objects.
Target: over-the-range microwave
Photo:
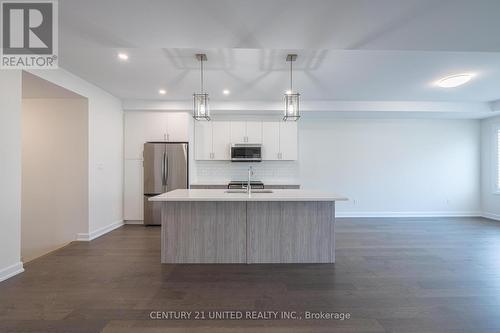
[{"x": 246, "y": 152}]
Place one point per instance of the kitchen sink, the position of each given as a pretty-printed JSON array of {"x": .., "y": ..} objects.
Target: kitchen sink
[
  {"x": 245, "y": 191},
  {"x": 262, "y": 191}
]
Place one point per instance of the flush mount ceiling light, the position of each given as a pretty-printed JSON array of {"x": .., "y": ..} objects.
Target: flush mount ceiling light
[
  {"x": 162, "y": 91},
  {"x": 122, "y": 56},
  {"x": 226, "y": 91},
  {"x": 201, "y": 110},
  {"x": 291, "y": 98},
  {"x": 453, "y": 81}
]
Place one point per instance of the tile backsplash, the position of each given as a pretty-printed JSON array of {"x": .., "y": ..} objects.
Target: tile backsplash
[{"x": 210, "y": 172}]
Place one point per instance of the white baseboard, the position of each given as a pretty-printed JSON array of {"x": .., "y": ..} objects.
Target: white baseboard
[
  {"x": 491, "y": 216},
  {"x": 10, "y": 271},
  {"x": 406, "y": 214},
  {"x": 84, "y": 237},
  {"x": 134, "y": 222}
]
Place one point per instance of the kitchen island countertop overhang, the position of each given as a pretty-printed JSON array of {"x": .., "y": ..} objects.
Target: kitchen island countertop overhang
[
  {"x": 214, "y": 226},
  {"x": 222, "y": 195}
]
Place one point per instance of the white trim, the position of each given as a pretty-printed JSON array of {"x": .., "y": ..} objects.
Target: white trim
[
  {"x": 134, "y": 222},
  {"x": 84, "y": 237},
  {"x": 407, "y": 214},
  {"x": 472, "y": 110},
  {"x": 11, "y": 270},
  {"x": 491, "y": 216}
]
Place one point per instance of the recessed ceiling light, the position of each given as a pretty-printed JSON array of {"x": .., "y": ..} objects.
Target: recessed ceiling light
[
  {"x": 122, "y": 56},
  {"x": 454, "y": 80},
  {"x": 226, "y": 91},
  {"x": 162, "y": 91}
]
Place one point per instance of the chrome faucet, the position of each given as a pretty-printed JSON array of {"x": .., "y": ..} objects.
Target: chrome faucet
[{"x": 250, "y": 174}]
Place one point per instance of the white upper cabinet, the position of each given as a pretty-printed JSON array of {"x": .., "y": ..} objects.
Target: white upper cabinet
[
  {"x": 178, "y": 127},
  {"x": 246, "y": 132},
  {"x": 203, "y": 140},
  {"x": 238, "y": 132},
  {"x": 155, "y": 126},
  {"x": 279, "y": 141},
  {"x": 270, "y": 140},
  {"x": 288, "y": 140},
  {"x": 212, "y": 140},
  {"x": 254, "y": 131},
  {"x": 141, "y": 127},
  {"x": 221, "y": 135}
]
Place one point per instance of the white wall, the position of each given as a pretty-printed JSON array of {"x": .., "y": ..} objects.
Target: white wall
[
  {"x": 10, "y": 173},
  {"x": 385, "y": 166},
  {"x": 490, "y": 201},
  {"x": 394, "y": 167},
  {"x": 105, "y": 151},
  {"x": 54, "y": 174}
]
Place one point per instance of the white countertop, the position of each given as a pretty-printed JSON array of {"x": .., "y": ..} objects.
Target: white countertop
[
  {"x": 224, "y": 183},
  {"x": 221, "y": 195}
]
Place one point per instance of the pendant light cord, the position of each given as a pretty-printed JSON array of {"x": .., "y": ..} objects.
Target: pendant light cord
[{"x": 201, "y": 75}]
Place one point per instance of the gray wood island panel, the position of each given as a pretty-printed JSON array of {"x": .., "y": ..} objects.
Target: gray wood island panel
[
  {"x": 290, "y": 232},
  {"x": 204, "y": 232}
]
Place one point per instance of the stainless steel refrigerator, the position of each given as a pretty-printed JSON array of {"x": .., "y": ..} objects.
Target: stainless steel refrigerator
[{"x": 165, "y": 169}]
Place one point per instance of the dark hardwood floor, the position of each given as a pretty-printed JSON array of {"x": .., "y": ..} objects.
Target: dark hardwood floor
[{"x": 391, "y": 275}]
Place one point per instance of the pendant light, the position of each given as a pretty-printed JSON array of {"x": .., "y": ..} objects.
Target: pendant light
[
  {"x": 201, "y": 109},
  {"x": 291, "y": 98}
]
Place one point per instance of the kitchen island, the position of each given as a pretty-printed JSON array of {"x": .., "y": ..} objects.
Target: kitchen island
[{"x": 278, "y": 226}]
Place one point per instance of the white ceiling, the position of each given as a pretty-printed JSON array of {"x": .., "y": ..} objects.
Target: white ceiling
[{"x": 348, "y": 50}]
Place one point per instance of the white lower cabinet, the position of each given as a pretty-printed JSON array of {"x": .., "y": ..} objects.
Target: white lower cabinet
[{"x": 133, "y": 209}]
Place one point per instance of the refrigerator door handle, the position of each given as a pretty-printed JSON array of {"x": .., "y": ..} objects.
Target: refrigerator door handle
[
  {"x": 166, "y": 170},
  {"x": 163, "y": 167}
]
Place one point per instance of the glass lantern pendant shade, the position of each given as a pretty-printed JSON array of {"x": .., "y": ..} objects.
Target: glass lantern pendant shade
[
  {"x": 201, "y": 109},
  {"x": 291, "y": 107},
  {"x": 291, "y": 99}
]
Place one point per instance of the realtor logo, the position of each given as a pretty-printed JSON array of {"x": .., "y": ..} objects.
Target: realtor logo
[{"x": 29, "y": 34}]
